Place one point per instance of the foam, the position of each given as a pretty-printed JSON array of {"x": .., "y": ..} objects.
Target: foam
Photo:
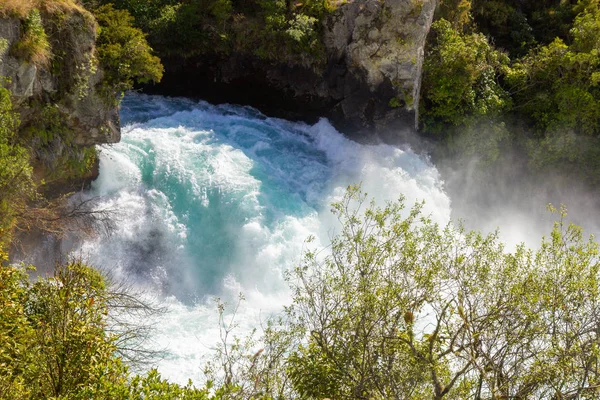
[{"x": 217, "y": 200}]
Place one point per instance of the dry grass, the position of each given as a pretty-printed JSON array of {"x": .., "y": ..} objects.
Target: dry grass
[
  {"x": 16, "y": 8},
  {"x": 20, "y": 8},
  {"x": 33, "y": 49},
  {"x": 59, "y": 6},
  {"x": 33, "y": 46}
]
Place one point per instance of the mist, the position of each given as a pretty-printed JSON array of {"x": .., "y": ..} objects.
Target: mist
[{"x": 508, "y": 194}]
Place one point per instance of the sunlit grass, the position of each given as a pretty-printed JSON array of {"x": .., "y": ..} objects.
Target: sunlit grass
[{"x": 22, "y": 8}]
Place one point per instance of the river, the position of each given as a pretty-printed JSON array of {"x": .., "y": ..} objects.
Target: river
[{"x": 216, "y": 200}]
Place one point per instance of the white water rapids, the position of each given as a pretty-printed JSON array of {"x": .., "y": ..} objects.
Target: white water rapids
[{"x": 217, "y": 200}]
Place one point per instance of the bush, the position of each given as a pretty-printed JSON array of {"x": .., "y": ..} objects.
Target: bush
[
  {"x": 56, "y": 342},
  {"x": 461, "y": 79},
  {"x": 399, "y": 307},
  {"x": 272, "y": 30},
  {"x": 557, "y": 86},
  {"x": 33, "y": 46},
  {"x": 123, "y": 51},
  {"x": 16, "y": 184},
  {"x": 62, "y": 341}
]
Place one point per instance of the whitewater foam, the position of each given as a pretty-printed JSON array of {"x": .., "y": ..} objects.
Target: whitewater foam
[{"x": 217, "y": 200}]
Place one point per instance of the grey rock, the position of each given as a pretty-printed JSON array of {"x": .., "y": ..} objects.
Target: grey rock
[
  {"x": 382, "y": 44},
  {"x": 367, "y": 82},
  {"x": 71, "y": 83}
]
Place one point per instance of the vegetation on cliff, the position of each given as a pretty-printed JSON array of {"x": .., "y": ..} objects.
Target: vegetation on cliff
[
  {"x": 398, "y": 307},
  {"x": 57, "y": 341},
  {"x": 270, "y": 30},
  {"x": 16, "y": 184},
  {"x": 500, "y": 77},
  {"x": 517, "y": 75},
  {"x": 40, "y": 127}
]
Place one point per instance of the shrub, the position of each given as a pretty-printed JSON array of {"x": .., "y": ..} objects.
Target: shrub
[
  {"x": 16, "y": 184},
  {"x": 399, "y": 307},
  {"x": 56, "y": 342},
  {"x": 557, "y": 86},
  {"x": 123, "y": 52},
  {"x": 33, "y": 46},
  {"x": 461, "y": 79}
]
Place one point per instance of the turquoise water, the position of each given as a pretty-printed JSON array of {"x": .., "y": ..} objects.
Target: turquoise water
[{"x": 216, "y": 200}]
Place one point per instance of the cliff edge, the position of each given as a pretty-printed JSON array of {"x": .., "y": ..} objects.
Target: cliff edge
[{"x": 364, "y": 73}]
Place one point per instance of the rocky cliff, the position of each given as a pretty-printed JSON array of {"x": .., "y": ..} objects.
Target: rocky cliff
[
  {"x": 68, "y": 79},
  {"x": 379, "y": 47},
  {"x": 48, "y": 62},
  {"x": 368, "y": 82}
]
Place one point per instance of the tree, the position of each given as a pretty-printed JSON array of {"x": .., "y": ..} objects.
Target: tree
[
  {"x": 461, "y": 79},
  {"x": 123, "y": 51},
  {"x": 395, "y": 307},
  {"x": 16, "y": 184},
  {"x": 557, "y": 86},
  {"x": 400, "y": 308},
  {"x": 59, "y": 338}
]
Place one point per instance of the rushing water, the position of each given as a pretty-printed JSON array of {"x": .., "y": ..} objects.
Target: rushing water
[{"x": 217, "y": 200}]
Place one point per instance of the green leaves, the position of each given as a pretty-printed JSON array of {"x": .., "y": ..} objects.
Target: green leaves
[
  {"x": 559, "y": 80},
  {"x": 404, "y": 309},
  {"x": 123, "y": 51},
  {"x": 33, "y": 46},
  {"x": 460, "y": 81},
  {"x": 55, "y": 341},
  {"x": 398, "y": 308},
  {"x": 16, "y": 184}
]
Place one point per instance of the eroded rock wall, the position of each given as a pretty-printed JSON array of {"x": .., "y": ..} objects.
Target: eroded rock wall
[
  {"x": 367, "y": 85},
  {"x": 68, "y": 80},
  {"x": 381, "y": 45}
]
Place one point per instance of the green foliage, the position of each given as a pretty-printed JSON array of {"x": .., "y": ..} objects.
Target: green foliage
[
  {"x": 16, "y": 185},
  {"x": 49, "y": 127},
  {"x": 221, "y": 10},
  {"x": 461, "y": 79},
  {"x": 150, "y": 386},
  {"x": 55, "y": 341},
  {"x": 62, "y": 337},
  {"x": 66, "y": 313},
  {"x": 123, "y": 52},
  {"x": 506, "y": 23},
  {"x": 397, "y": 307},
  {"x": 52, "y": 144},
  {"x": 33, "y": 46},
  {"x": 555, "y": 87},
  {"x": 289, "y": 33},
  {"x": 313, "y": 374},
  {"x": 483, "y": 143},
  {"x": 549, "y": 93},
  {"x": 272, "y": 30},
  {"x": 563, "y": 151},
  {"x": 242, "y": 370},
  {"x": 457, "y": 12},
  {"x": 552, "y": 19},
  {"x": 395, "y": 102},
  {"x": 301, "y": 27},
  {"x": 405, "y": 309}
]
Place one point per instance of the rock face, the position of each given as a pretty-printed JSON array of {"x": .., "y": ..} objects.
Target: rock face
[
  {"x": 380, "y": 46},
  {"x": 369, "y": 83},
  {"x": 69, "y": 80}
]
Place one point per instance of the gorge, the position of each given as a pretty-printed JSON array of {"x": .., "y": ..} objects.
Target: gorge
[{"x": 218, "y": 178}]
